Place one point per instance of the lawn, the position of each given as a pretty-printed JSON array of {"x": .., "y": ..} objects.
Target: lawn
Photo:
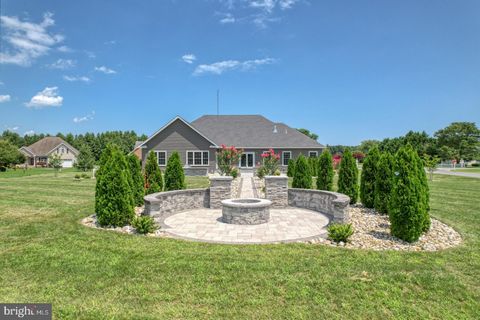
[
  {"x": 472, "y": 170},
  {"x": 11, "y": 173},
  {"x": 47, "y": 256}
]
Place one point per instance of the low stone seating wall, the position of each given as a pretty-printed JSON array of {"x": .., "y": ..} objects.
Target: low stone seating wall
[
  {"x": 162, "y": 204},
  {"x": 331, "y": 203}
]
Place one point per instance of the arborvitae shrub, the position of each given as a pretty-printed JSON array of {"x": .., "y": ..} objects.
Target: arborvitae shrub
[
  {"x": 174, "y": 175},
  {"x": 383, "y": 182},
  {"x": 153, "y": 175},
  {"x": 313, "y": 163},
  {"x": 367, "y": 181},
  {"x": 137, "y": 179},
  {"x": 291, "y": 168},
  {"x": 113, "y": 196},
  {"x": 348, "y": 176},
  {"x": 424, "y": 193},
  {"x": 406, "y": 206},
  {"x": 302, "y": 177},
  {"x": 325, "y": 171}
]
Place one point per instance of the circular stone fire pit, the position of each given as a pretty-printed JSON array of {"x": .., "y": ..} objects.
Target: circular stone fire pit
[{"x": 246, "y": 211}]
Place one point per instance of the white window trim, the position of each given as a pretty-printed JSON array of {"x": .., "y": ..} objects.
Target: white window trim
[
  {"x": 166, "y": 159},
  {"x": 197, "y": 165},
  {"x": 283, "y": 163},
  {"x": 316, "y": 153},
  {"x": 240, "y": 160}
]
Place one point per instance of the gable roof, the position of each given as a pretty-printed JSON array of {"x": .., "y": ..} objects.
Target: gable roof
[
  {"x": 45, "y": 146},
  {"x": 252, "y": 131}
]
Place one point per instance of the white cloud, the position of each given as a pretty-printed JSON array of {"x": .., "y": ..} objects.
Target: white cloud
[
  {"x": 76, "y": 78},
  {"x": 4, "y": 98},
  {"x": 63, "y": 64},
  {"x": 26, "y": 41},
  {"x": 227, "y": 65},
  {"x": 48, "y": 97},
  {"x": 189, "y": 58},
  {"x": 110, "y": 42},
  {"x": 228, "y": 18},
  {"x": 287, "y": 4},
  {"x": 90, "y": 54},
  {"x": 88, "y": 117},
  {"x": 14, "y": 128},
  {"x": 64, "y": 49},
  {"x": 105, "y": 70},
  {"x": 29, "y": 133}
]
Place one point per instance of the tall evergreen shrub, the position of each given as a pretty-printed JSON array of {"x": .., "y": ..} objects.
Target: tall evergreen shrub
[
  {"x": 325, "y": 171},
  {"x": 383, "y": 182},
  {"x": 137, "y": 179},
  {"x": 425, "y": 192},
  {"x": 406, "y": 208},
  {"x": 367, "y": 181},
  {"x": 348, "y": 176},
  {"x": 302, "y": 177},
  {"x": 313, "y": 163},
  {"x": 291, "y": 168},
  {"x": 113, "y": 195},
  {"x": 174, "y": 175},
  {"x": 153, "y": 175}
]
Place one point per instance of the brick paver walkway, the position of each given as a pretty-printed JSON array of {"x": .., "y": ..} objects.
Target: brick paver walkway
[{"x": 285, "y": 225}]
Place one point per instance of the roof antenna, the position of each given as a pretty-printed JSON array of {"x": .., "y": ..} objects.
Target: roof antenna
[{"x": 218, "y": 103}]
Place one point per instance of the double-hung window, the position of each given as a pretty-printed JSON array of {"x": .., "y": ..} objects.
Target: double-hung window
[
  {"x": 286, "y": 155},
  {"x": 161, "y": 158},
  {"x": 312, "y": 154},
  {"x": 198, "y": 158}
]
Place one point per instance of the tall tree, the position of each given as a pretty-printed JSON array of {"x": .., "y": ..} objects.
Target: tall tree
[
  {"x": 152, "y": 175},
  {"x": 9, "y": 154},
  {"x": 85, "y": 160},
  {"x": 463, "y": 137},
  {"x": 55, "y": 161},
  {"x": 348, "y": 176},
  {"x": 302, "y": 177},
  {"x": 135, "y": 169},
  {"x": 174, "y": 175},
  {"x": 367, "y": 181},
  {"x": 308, "y": 133},
  {"x": 325, "y": 171},
  {"x": 366, "y": 145}
]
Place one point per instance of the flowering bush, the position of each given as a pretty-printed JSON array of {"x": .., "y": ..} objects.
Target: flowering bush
[
  {"x": 270, "y": 162},
  {"x": 336, "y": 161},
  {"x": 359, "y": 156},
  {"x": 227, "y": 158}
]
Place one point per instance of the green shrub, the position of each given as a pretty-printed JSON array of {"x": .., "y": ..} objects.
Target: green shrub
[
  {"x": 325, "y": 171},
  {"x": 174, "y": 175},
  {"x": 277, "y": 172},
  {"x": 85, "y": 160},
  {"x": 85, "y": 176},
  {"x": 78, "y": 176},
  {"x": 340, "y": 232},
  {"x": 302, "y": 177},
  {"x": 476, "y": 164},
  {"x": 383, "y": 182},
  {"x": 144, "y": 224},
  {"x": 261, "y": 171},
  {"x": 113, "y": 196},
  {"x": 406, "y": 208},
  {"x": 152, "y": 175},
  {"x": 313, "y": 163},
  {"x": 234, "y": 172},
  {"x": 135, "y": 168},
  {"x": 424, "y": 193},
  {"x": 367, "y": 181},
  {"x": 291, "y": 168},
  {"x": 348, "y": 176}
]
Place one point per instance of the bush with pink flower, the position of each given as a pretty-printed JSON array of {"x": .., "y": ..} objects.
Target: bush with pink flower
[
  {"x": 270, "y": 161},
  {"x": 227, "y": 159}
]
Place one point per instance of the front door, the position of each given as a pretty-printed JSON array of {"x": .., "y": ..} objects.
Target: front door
[{"x": 247, "y": 160}]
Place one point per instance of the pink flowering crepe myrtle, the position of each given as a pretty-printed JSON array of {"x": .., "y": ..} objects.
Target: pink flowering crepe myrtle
[
  {"x": 227, "y": 158},
  {"x": 270, "y": 161}
]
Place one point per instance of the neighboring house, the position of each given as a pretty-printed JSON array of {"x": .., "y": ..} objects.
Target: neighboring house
[
  {"x": 197, "y": 142},
  {"x": 37, "y": 154}
]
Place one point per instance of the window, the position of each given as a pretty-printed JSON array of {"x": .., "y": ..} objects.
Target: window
[
  {"x": 286, "y": 155},
  {"x": 312, "y": 154},
  {"x": 161, "y": 157},
  {"x": 197, "y": 158}
]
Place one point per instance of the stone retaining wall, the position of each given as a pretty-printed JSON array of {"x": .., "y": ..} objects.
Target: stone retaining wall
[
  {"x": 331, "y": 203},
  {"x": 163, "y": 204},
  {"x": 220, "y": 189},
  {"x": 276, "y": 190}
]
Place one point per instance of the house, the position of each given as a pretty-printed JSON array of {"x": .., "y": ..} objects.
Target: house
[
  {"x": 198, "y": 141},
  {"x": 37, "y": 154}
]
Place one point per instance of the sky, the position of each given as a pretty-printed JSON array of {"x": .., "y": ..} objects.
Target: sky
[{"x": 346, "y": 70}]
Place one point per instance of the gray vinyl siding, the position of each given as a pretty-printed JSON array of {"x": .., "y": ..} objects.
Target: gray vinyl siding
[{"x": 180, "y": 137}]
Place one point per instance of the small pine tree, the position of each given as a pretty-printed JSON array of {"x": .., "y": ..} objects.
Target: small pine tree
[
  {"x": 153, "y": 175},
  {"x": 383, "y": 182},
  {"x": 348, "y": 176},
  {"x": 302, "y": 177},
  {"x": 313, "y": 163},
  {"x": 113, "y": 196},
  {"x": 137, "y": 179},
  {"x": 325, "y": 171},
  {"x": 424, "y": 192},
  {"x": 85, "y": 159},
  {"x": 291, "y": 168},
  {"x": 405, "y": 207},
  {"x": 174, "y": 175},
  {"x": 367, "y": 181}
]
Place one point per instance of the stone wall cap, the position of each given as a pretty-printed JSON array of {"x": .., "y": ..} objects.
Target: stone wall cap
[
  {"x": 244, "y": 203},
  {"x": 155, "y": 196},
  {"x": 276, "y": 177},
  {"x": 339, "y": 197},
  {"x": 221, "y": 178}
]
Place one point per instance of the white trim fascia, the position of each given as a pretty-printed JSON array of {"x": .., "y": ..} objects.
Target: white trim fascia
[{"x": 169, "y": 123}]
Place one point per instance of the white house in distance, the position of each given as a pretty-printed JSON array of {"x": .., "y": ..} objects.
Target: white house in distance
[{"x": 37, "y": 154}]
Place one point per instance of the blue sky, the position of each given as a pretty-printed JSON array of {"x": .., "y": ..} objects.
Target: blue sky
[{"x": 347, "y": 70}]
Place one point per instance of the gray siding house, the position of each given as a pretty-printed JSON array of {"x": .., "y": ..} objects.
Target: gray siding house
[{"x": 198, "y": 141}]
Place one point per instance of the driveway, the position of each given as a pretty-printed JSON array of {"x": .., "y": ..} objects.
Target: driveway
[{"x": 456, "y": 173}]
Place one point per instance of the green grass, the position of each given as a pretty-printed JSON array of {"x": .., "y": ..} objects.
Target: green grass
[
  {"x": 472, "y": 170},
  {"x": 46, "y": 255},
  {"x": 11, "y": 173},
  {"x": 197, "y": 182}
]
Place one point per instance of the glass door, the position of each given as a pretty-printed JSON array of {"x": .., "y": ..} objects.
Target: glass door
[{"x": 247, "y": 160}]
